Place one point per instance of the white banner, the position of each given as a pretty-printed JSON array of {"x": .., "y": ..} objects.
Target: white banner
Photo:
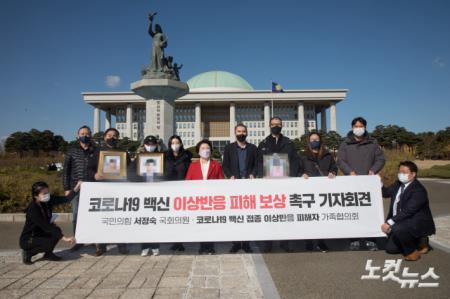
[{"x": 230, "y": 210}]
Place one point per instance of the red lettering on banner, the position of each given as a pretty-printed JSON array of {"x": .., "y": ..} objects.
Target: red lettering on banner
[
  {"x": 203, "y": 203},
  {"x": 246, "y": 202},
  {"x": 277, "y": 201}
]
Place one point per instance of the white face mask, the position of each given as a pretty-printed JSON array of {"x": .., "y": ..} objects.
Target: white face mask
[
  {"x": 150, "y": 148},
  {"x": 175, "y": 147},
  {"x": 403, "y": 178},
  {"x": 359, "y": 131},
  {"x": 205, "y": 154},
  {"x": 44, "y": 197}
]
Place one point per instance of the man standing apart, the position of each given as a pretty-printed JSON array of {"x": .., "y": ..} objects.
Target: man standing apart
[{"x": 360, "y": 154}]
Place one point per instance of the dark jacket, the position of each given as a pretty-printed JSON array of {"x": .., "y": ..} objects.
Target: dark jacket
[
  {"x": 79, "y": 165},
  {"x": 313, "y": 166},
  {"x": 175, "y": 168},
  {"x": 285, "y": 146},
  {"x": 230, "y": 164},
  {"x": 414, "y": 208},
  {"x": 37, "y": 221},
  {"x": 360, "y": 156}
]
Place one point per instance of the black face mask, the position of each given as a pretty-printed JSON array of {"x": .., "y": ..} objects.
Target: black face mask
[
  {"x": 241, "y": 138},
  {"x": 275, "y": 130},
  {"x": 112, "y": 142}
]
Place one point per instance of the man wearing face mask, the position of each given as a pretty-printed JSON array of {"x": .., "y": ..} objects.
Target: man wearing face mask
[
  {"x": 360, "y": 154},
  {"x": 239, "y": 162},
  {"x": 409, "y": 221},
  {"x": 110, "y": 143},
  {"x": 80, "y": 165},
  {"x": 150, "y": 145},
  {"x": 277, "y": 143}
]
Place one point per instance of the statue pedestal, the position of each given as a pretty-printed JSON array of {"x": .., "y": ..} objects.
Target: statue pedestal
[{"x": 160, "y": 95}]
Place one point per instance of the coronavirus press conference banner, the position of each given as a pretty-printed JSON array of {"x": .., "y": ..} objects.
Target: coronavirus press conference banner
[{"x": 230, "y": 210}]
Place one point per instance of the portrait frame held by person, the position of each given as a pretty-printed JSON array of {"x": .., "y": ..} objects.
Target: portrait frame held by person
[
  {"x": 144, "y": 158},
  {"x": 276, "y": 165},
  {"x": 116, "y": 158}
]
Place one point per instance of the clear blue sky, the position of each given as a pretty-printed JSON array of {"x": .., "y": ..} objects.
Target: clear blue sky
[{"x": 393, "y": 56}]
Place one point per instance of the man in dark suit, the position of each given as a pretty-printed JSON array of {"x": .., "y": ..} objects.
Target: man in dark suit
[
  {"x": 239, "y": 162},
  {"x": 280, "y": 144},
  {"x": 409, "y": 222}
]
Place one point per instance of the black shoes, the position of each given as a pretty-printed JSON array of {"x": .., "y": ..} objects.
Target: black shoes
[
  {"x": 209, "y": 251},
  {"x": 235, "y": 249},
  {"x": 26, "y": 257},
  {"x": 50, "y": 256},
  {"x": 123, "y": 250},
  {"x": 177, "y": 247},
  {"x": 322, "y": 247}
]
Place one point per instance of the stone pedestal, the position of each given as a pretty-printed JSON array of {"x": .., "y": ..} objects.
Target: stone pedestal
[{"x": 160, "y": 95}]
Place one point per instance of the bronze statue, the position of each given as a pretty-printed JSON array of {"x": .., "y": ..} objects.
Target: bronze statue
[
  {"x": 159, "y": 44},
  {"x": 161, "y": 67}
]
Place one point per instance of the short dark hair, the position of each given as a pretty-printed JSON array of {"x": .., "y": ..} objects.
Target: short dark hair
[
  {"x": 411, "y": 166},
  {"x": 37, "y": 187},
  {"x": 84, "y": 127},
  {"x": 275, "y": 117},
  {"x": 149, "y": 161},
  {"x": 240, "y": 125},
  {"x": 204, "y": 141},
  {"x": 359, "y": 119},
  {"x": 111, "y": 129}
]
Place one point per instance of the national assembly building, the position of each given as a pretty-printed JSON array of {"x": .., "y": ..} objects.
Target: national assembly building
[{"x": 216, "y": 102}]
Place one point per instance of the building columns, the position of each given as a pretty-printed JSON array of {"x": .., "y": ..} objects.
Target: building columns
[
  {"x": 266, "y": 118},
  {"x": 232, "y": 120},
  {"x": 333, "y": 117},
  {"x": 198, "y": 123},
  {"x": 301, "y": 118},
  {"x": 323, "y": 119},
  {"x": 108, "y": 119},
  {"x": 129, "y": 131},
  {"x": 96, "y": 120}
]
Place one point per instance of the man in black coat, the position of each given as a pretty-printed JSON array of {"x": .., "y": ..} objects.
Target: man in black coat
[
  {"x": 409, "y": 222},
  {"x": 239, "y": 162},
  {"x": 277, "y": 143},
  {"x": 80, "y": 165}
]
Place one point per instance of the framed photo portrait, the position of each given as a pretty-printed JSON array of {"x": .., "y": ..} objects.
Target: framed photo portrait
[
  {"x": 150, "y": 164},
  {"x": 112, "y": 165},
  {"x": 276, "y": 165}
]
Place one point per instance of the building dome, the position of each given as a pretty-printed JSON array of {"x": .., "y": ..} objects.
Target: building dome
[{"x": 218, "y": 81}]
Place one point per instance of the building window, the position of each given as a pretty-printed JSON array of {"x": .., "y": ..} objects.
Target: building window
[{"x": 120, "y": 115}]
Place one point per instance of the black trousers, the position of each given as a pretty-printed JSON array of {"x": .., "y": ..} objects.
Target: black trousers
[
  {"x": 400, "y": 240},
  {"x": 37, "y": 245},
  {"x": 241, "y": 244},
  {"x": 206, "y": 246}
]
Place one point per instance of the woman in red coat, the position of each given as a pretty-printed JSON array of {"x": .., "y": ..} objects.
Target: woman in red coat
[{"x": 205, "y": 169}]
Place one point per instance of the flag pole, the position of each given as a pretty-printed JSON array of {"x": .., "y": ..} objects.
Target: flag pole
[{"x": 271, "y": 98}]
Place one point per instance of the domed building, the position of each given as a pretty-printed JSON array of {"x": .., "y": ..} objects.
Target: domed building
[{"x": 216, "y": 102}]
